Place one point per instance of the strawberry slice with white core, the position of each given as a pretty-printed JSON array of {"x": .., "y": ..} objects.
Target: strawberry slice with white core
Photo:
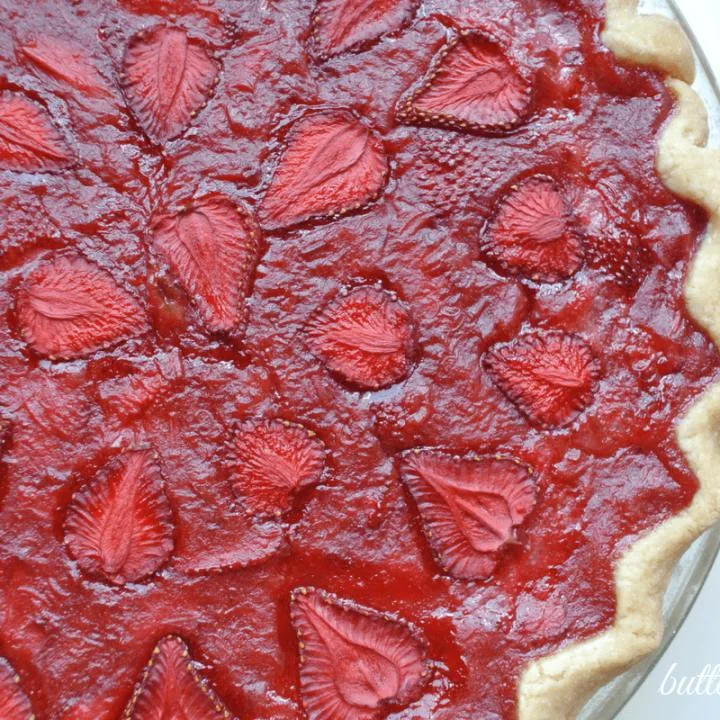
[
  {"x": 333, "y": 164},
  {"x": 354, "y": 661},
  {"x": 533, "y": 232},
  {"x": 120, "y": 525},
  {"x": 549, "y": 376},
  {"x": 363, "y": 336},
  {"x": 470, "y": 506}
]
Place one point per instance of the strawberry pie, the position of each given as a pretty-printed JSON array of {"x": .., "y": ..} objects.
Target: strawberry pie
[{"x": 357, "y": 357}]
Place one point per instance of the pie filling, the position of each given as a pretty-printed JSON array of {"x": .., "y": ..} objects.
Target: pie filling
[{"x": 341, "y": 354}]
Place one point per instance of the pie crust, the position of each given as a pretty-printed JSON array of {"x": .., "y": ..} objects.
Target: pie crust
[{"x": 557, "y": 686}]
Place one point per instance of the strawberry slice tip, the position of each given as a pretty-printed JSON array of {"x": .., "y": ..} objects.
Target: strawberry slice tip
[{"x": 171, "y": 687}]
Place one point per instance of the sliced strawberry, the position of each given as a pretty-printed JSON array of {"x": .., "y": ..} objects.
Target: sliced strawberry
[
  {"x": 167, "y": 78},
  {"x": 14, "y": 703},
  {"x": 65, "y": 62},
  {"x": 471, "y": 85},
  {"x": 340, "y": 25},
  {"x": 235, "y": 543},
  {"x": 533, "y": 232},
  {"x": 354, "y": 661},
  {"x": 212, "y": 247},
  {"x": 333, "y": 165},
  {"x": 469, "y": 506},
  {"x": 273, "y": 460},
  {"x": 171, "y": 688},
  {"x": 70, "y": 308},
  {"x": 549, "y": 376},
  {"x": 53, "y": 410},
  {"x": 120, "y": 525},
  {"x": 365, "y": 337},
  {"x": 29, "y": 140},
  {"x": 129, "y": 396},
  {"x": 622, "y": 256}
]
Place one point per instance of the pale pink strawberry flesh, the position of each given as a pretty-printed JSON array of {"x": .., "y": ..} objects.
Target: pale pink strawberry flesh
[
  {"x": 341, "y": 25},
  {"x": 472, "y": 84},
  {"x": 29, "y": 138},
  {"x": 272, "y": 462},
  {"x": 354, "y": 659},
  {"x": 150, "y": 369}
]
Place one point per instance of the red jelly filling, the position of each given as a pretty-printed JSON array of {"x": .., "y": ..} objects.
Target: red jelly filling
[{"x": 342, "y": 350}]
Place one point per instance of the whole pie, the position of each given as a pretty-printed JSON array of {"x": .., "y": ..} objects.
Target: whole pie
[{"x": 356, "y": 356}]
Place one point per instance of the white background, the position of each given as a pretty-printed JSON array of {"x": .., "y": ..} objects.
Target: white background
[{"x": 698, "y": 642}]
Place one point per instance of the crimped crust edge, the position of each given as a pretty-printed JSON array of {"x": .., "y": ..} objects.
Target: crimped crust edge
[{"x": 557, "y": 686}]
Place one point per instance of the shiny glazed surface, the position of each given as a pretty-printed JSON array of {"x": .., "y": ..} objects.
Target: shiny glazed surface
[{"x": 79, "y": 643}]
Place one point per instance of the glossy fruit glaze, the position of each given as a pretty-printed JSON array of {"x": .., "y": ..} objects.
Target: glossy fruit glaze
[{"x": 179, "y": 372}]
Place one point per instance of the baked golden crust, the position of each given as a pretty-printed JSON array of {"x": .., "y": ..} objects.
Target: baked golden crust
[{"x": 556, "y": 687}]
